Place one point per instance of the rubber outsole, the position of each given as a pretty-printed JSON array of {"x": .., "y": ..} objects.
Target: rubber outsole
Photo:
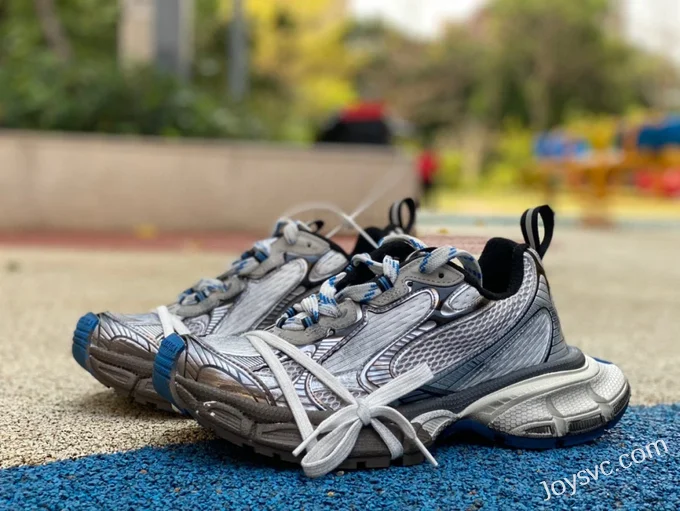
[
  {"x": 202, "y": 414},
  {"x": 225, "y": 420},
  {"x": 126, "y": 375}
]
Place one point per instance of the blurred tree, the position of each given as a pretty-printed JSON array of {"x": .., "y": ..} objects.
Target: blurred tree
[
  {"x": 529, "y": 60},
  {"x": 269, "y": 100},
  {"x": 42, "y": 93},
  {"x": 300, "y": 45},
  {"x": 300, "y": 69},
  {"x": 525, "y": 63},
  {"x": 559, "y": 56},
  {"x": 83, "y": 89},
  {"x": 69, "y": 29},
  {"x": 440, "y": 87}
]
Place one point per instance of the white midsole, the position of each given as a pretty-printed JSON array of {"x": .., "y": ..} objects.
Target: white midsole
[{"x": 548, "y": 405}]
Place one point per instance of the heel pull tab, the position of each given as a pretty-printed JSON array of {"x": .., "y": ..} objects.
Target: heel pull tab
[
  {"x": 397, "y": 218},
  {"x": 530, "y": 231}
]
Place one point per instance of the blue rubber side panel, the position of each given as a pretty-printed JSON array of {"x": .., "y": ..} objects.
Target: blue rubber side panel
[
  {"x": 216, "y": 475},
  {"x": 164, "y": 365},
  {"x": 81, "y": 338}
]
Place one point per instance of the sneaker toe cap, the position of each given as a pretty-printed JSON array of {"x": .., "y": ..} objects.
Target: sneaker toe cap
[
  {"x": 137, "y": 335},
  {"x": 203, "y": 363}
]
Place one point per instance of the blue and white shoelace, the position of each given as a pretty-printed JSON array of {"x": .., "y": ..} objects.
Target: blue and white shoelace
[
  {"x": 308, "y": 311},
  {"x": 231, "y": 285}
]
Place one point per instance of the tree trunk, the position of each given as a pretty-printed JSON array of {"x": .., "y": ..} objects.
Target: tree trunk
[{"x": 52, "y": 29}]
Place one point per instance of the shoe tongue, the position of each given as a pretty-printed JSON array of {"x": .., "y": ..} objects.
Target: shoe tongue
[{"x": 399, "y": 247}]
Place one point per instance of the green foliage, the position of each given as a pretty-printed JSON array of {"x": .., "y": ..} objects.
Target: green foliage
[
  {"x": 512, "y": 163},
  {"x": 91, "y": 25},
  {"x": 47, "y": 95},
  {"x": 557, "y": 56},
  {"x": 90, "y": 92},
  {"x": 449, "y": 174}
]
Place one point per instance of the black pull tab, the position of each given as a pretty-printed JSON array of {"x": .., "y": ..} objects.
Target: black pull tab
[
  {"x": 529, "y": 225},
  {"x": 397, "y": 218}
]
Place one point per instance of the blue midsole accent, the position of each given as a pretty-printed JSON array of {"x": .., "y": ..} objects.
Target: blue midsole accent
[
  {"x": 81, "y": 338},
  {"x": 164, "y": 365}
]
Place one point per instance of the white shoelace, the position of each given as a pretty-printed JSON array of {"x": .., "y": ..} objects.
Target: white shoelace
[
  {"x": 342, "y": 428},
  {"x": 170, "y": 322}
]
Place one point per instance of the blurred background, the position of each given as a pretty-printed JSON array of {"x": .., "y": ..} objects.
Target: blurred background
[{"x": 115, "y": 112}]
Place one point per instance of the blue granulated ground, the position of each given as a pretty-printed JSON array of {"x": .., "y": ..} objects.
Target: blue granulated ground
[{"x": 471, "y": 476}]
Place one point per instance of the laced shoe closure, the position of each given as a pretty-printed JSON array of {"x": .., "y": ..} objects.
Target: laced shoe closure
[
  {"x": 208, "y": 293},
  {"x": 309, "y": 310}
]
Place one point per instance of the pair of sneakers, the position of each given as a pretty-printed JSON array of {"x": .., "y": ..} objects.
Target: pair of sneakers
[{"x": 405, "y": 346}]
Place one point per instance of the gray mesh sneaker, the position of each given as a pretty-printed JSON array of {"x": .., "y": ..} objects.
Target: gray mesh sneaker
[
  {"x": 119, "y": 349},
  {"x": 410, "y": 345}
]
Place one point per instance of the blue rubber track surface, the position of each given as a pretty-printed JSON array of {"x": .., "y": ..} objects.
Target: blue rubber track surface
[{"x": 471, "y": 476}]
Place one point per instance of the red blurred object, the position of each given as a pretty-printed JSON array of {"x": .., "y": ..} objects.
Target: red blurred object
[
  {"x": 644, "y": 180},
  {"x": 363, "y": 112},
  {"x": 670, "y": 183},
  {"x": 427, "y": 165}
]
